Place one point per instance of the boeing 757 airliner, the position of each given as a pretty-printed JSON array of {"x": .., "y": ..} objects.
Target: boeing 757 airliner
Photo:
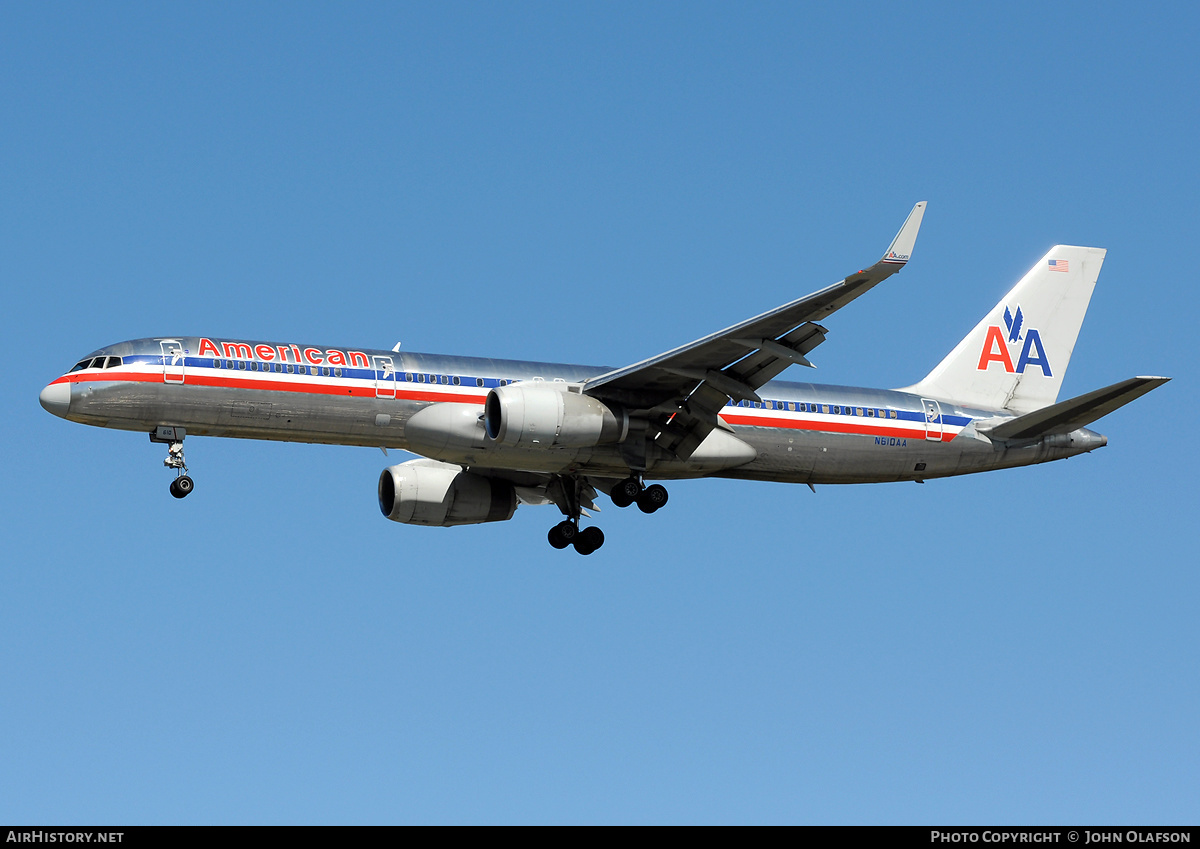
[{"x": 493, "y": 434}]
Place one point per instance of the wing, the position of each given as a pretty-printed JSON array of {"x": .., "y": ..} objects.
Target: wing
[{"x": 679, "y": 393}]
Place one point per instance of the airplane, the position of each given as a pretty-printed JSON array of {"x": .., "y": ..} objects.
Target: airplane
[{"x": 493, "y": 434}]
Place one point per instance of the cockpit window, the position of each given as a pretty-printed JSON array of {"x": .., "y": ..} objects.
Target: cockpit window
[
  {"x": 113, "y": 362},
  {"x": 81, "y": 365}
]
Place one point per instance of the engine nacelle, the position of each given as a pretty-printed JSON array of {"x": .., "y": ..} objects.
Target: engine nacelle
[
  {"x": 426, "y": 492},
  {"x": 541, "y": 415}
]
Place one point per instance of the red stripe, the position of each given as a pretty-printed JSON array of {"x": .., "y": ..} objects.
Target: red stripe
[
  {"x": 194, "y": 379},
  {"x": 828, "y": 427}
]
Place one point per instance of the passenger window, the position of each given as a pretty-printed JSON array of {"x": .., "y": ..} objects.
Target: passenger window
[
  {"x": 479, "y": 381},
  {"x": 229, "y": 364},
  {"x": 745, "y": 403},
  {"x": 503, "y": 382},
  {"x": 241, "y": 365},
  {"x": 870, "y": 412},
  {"x": 858, "y": 411},
  {"x": 891, "y": 414},
  {"x": 408, "y": 376},
  {"x": 835, "y": 410},
  {"x": 216, "y": 363},
  {"x": 457, "y": 382},
  {"x": 337, "y": 372},
  {"x": 290, "y": 368},
  {"x": 420, "y": 378}
]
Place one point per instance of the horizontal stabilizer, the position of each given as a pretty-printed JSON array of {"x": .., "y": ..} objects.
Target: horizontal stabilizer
[{"x": 1074, "y": 413}]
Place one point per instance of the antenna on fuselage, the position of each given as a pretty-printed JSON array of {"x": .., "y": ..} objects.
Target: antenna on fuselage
[{"x": 396, "y": 348}]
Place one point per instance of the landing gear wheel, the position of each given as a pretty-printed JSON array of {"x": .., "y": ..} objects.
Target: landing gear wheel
[
  {"x": 589, "y": 540},
  {"x": 562, "y": 534},
  {"x": 652, "y": 498},
  {"x": 625, "y": 492},
  {"x": 181, "y": 486}
]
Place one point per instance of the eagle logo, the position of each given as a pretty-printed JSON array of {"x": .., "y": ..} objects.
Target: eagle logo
[{"x": 1014, "y": 324}]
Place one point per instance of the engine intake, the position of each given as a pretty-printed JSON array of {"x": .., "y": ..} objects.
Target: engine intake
[
  {"x": 541, "y": 415},
  {"x": 426, "y": 492}
]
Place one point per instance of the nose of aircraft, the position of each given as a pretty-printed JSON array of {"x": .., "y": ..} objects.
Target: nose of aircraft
[{"x": 56, "y": 398}]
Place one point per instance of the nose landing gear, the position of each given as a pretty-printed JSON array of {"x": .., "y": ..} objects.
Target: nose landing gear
[{"x": 173, "y": 438}]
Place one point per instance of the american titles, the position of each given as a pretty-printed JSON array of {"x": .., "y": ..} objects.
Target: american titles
[{"x": 283, "y": 353}]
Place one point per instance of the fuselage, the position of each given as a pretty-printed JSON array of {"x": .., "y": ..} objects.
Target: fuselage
[{"x": 798, "y": 432}]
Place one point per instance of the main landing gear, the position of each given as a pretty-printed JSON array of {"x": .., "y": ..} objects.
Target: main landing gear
[
  {"x": 173, "y": 438},
  {"x": 631, "y": 491},
  {"x": 567, "y": 532},
  {"x": 573, "y": 493}
]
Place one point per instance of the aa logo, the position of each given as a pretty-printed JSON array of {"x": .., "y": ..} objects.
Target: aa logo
[{"x": 998, "y": 347}]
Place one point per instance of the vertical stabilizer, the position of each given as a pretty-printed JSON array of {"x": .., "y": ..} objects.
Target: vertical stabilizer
[{"x": 1016, "y": 357}]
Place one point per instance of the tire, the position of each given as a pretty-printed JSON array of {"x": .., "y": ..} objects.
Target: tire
[
  {"x": 652, "y": 498},
  {"x": 556, "y": 539},
  {"x": 589, "y": 540},
  {"x": 625, "y": 492},
  {"x": 562, "y": 534},
  {"x": 184, "y": 484}
]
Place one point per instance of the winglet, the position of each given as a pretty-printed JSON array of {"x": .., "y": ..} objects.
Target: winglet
[{"x": 902, "y": 246}]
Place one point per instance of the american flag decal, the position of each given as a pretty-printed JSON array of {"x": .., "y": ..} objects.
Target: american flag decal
[{"x": 1059, "y": 265}]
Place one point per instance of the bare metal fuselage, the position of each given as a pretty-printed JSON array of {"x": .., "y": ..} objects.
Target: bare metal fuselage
[{"x": 799, "y": 432}]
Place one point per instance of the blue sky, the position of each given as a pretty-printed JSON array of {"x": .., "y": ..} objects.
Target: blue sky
[{"x": 593, "y": 183}]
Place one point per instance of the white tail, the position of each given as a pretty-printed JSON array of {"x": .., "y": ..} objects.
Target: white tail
[{"x": 1016, "y": 357}]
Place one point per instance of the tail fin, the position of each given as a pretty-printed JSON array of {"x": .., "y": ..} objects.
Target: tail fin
[{"x": 1016, "y": 357}]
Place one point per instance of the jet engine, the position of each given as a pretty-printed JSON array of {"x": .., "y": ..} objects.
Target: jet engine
[
  {"x": 540, "y": 415},
  {"x": 426, "y": 492}
]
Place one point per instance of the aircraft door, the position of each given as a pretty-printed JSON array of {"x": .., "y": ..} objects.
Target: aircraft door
[
  {"x": 933, "y": 420},
  {"x": 173, "y": 361},
  {"x": 385, "y": 377}
]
